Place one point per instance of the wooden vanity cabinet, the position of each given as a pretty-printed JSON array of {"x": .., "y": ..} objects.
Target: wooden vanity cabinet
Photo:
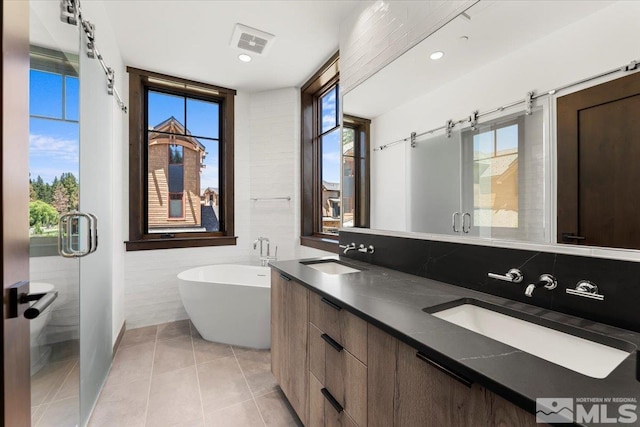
[
  {"x": 406, "y": 391},
  {"x": 336, "y": 374},
  {"x": 338, "y": 370},
  {"x": 289, "y": 340}
]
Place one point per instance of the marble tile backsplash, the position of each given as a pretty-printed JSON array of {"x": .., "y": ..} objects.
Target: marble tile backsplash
[{"x": 467, "y": 265}]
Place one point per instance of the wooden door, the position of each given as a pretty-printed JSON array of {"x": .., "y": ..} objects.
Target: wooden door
[
  {"x": 598, "y": 173},
  {"x": 14, "y": 372}
]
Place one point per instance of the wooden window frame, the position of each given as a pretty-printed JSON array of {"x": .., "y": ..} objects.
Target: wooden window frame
[
  {"x": 139, "y": 239},
  {"x": 362, "y": 198},
  {"x": 310, "y": 197}
]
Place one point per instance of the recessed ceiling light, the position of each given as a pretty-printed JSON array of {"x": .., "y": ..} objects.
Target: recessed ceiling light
[
  {"x": 464, "y": 38},
  {"x": 437, "y": 55},
  {"x": 244, "y": 57}
]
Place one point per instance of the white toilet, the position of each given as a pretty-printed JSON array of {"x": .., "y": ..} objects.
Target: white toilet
[{"x": 39, "y": 351}]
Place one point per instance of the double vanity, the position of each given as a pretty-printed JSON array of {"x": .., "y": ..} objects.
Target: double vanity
[{"x": 356, "y": 344}]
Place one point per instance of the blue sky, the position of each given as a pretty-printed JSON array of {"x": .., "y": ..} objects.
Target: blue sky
[
  {"x": 201, "y": 121},
  {"x": 53, "y": 144},
  {"x": 331, "y": 141}
]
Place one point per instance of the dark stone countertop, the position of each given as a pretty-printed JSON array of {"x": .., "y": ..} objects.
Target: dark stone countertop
[{"x": 393, "y": 301}]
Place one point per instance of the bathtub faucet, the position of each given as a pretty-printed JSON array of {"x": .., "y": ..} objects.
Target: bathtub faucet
[{"x": 264, "y": 259}]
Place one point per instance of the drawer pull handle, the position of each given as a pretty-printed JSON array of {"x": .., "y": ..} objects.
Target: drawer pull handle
[
  {"x": 288, "y": 279},
  {"x": 332, "y": 400},
  {"x": 331, "y": 304},
  {"x": 333, "y": 343},
  {"x": 441, "y": 368}
]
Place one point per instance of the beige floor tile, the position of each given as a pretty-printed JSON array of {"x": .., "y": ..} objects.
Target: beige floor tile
[
  {"x": 36, "y": 413},
  {"x": 71, "y": 385},
  {"x": 176, "y": 353},
  {"x": 222, "y": 384},
  {"x": 174, "y": 399},
  {"x": 237, "y": 349},
  {"x": 256, "y": 366},
  {"x": 139, "y": 336},
  {"x": 63, "y": 413},
  {"x": 171, "y": 330},
  {"x": 244, "y": 414},
  {"x": 206, "y": 351},
  {"x": 123, "y": 404},
  {"x": 46, "y": 382},
  {"x": 276, "y": 411},
  {"x": 132, "y": 363}
]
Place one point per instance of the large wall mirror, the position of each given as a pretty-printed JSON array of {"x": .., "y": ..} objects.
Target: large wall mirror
[{"x": 484, "y": 162}]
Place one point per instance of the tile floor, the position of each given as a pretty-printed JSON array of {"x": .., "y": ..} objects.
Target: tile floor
[
  {"x": 167, "y": 375},
  {"x": 55, "y": 388}
]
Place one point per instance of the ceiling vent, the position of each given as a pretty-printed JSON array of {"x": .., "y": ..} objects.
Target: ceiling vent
[{"x": 251, "y": 40}]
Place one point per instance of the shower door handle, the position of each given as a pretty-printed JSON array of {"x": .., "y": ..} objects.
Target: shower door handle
[
  {"x": 69, "y": 231},
  {"x": 468, "y": 224},
  {"x": 454, "y": 222}
]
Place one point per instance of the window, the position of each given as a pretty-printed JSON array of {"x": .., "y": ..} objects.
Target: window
[
  {"x": 53, "y": 145},
  {"x": 355, "y": 172},
  {"x": 495, "y": 176},
  {"x": 181, "y": 163},
  {"x": 335, "y": 181}
]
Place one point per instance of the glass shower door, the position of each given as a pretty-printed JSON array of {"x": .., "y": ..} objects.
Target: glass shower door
[{"x": 54, "y": 168}]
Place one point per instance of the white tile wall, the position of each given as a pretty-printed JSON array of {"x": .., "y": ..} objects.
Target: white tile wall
[
  {"x": 267, "y": 165},
  {"x": 377, "y": 32}
]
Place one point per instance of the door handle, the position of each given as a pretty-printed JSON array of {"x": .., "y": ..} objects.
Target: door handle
[
  {"x": 43, "y": 301},
  {"x": 19, "y": 296},
  {"x": 567, "y": 237},
  {"x": 468, "y": 227},
  {"x": 69, "y": 230},
  {"x": 454, "y": 223}
]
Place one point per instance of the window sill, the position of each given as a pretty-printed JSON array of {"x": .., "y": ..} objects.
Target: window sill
[
  {"x": 322, "y": 243},
  {"x": 179, "y": 242}
]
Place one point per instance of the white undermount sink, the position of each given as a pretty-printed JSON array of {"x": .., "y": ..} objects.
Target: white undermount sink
[
  {"x": 581, "y": 355},
  {"x": 332, "y": 267}
]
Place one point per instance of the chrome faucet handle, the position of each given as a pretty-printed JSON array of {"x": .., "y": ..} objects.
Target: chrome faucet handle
[
  {"x": 586, "y": 289},
  {"x": 548, "y": 281},
  {"x": 348, "y": 247},
  {"x": 514, "y": 276}
]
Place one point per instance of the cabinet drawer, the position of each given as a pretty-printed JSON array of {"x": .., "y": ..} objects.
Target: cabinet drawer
[
  {"x": 346, "y": 379},
  {"x": 345, "y": 328},
  {"x": 322, "y": 413}
]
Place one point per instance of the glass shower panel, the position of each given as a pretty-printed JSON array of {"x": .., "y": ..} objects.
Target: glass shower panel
[
  {"x": 54, "y": 147},
  {"x": 503, "y": 177},
  {"x": 97, "y": 135},
  {"x": 433, "y": 198}
]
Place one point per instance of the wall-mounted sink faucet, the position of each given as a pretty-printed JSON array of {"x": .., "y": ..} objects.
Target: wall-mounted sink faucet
[
  {"x": 348, "y": 247},
  {"x": 264, "y": 259},
  {"x": 514, "y": 276},
  {"x": 369, "y": 249},
  {"x": 548, "y": 281},
  {"x": 586, "y": 289}
]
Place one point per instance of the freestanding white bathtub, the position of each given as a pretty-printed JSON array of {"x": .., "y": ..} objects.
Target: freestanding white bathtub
[{"x": 229, "y": 303}]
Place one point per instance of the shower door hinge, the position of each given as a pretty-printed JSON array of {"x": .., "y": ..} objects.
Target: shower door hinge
[
  {"x": 69, "y": 11},
  {"x": 413, "y": 140}
]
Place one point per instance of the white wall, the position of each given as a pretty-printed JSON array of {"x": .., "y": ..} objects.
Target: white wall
[
  {"x": 562, "y": 57},
  {"x": 377, "y": 32},
  {"x": 267, "y": 158}
]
